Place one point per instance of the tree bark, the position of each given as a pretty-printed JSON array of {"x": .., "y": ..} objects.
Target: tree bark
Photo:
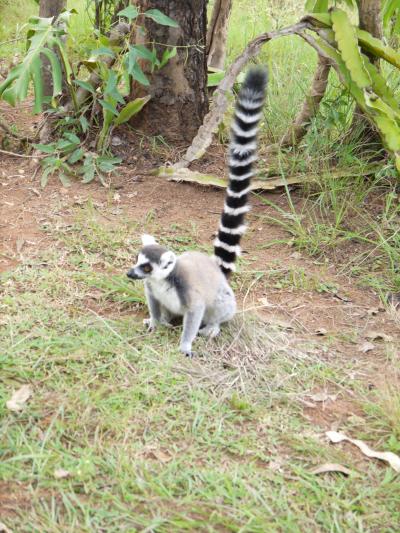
[
  {"x": 49, "y": 8},
  {"x": 217, "y": 33},
  {"x": 179, "y": 90},
  {"x": 369, "y": 20},
  {"x": 369, "y": 13},
  {"x": 310, "y": 105}
]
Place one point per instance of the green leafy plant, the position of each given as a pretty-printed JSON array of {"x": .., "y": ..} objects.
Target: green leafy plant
[
  {"x": 65, "y": 153},
  {"x": 349, "y": 50},
  {"x": 44, "y": 39},
  {"x": 112, "y": 66}
]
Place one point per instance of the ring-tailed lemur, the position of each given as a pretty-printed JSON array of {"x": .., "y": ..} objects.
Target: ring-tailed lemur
[{"x": 194, "y": 285}]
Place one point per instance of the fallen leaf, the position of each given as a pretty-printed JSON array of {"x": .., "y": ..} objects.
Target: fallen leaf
[
  {"x": 19, "y": 398},
  {"x": 265, "y": 302},
  {"x": 20, "y": 245},
  {"x": 331, "y": 467},
  {"x": 378, "y": 335},
  {"x": 321, "y": 331},
  {"x": 322, "y": 397},
  {"x": 275, "y": 466},
  {"x": 60, "y": 473},
  {"x": 389, "y": 457},
  {"x": 296, "y": 255},
  {"x": 366, "y": 347}
]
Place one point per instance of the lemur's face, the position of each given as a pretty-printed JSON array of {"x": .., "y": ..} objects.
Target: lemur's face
[{"x": 153, "y": 262}]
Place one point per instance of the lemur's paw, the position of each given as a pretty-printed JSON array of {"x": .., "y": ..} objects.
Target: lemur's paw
[
  {"x": 150, "y": 324},
  {"x": 186, "y": 349}
]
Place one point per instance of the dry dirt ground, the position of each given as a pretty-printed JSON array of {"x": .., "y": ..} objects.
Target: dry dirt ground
[{"x": 337, "y": 309}]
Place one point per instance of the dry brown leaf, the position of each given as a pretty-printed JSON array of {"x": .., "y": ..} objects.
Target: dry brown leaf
[
  {"x": 331, "y": 467},
  {"x": 389, "y": 457},
  {"x": 366, "y": 347},
  {"x": 20, "y": 245},
  {"x": 60, "y": 473},
  {"x": 19, "y": 398},
  {"x": 377, "y": 336},
  {"x": 264, "y": 301},
  {"x": 322, "y": 397}
]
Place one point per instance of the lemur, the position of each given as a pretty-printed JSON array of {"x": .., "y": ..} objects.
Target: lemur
[{"x": 195, "y": 285}]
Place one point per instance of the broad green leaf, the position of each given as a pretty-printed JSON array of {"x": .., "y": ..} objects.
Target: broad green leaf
[
  {"x": 46, "y": 148},
  {"x": 380, "y": 86},
  {"x": 389, "y": 8},
  {"x": 377, "y": 48},
  {"x": 129, "y": 12},
  {"x": 107, "y": 164},
  {"x": 65, "y": 146},
  {"x": 111, "y": 88},
  {"x": 347, "y": 43},
  {"x": 45, "y": 176},
  {"x": 102, "y": 51},
  {"x": 131, "y": 109},
  {"x": 55, "y": 70},
  {"x": 344, "y": 74},
  {"x": 84, "y": 123},
  {"x": 76, "y": 156},
  {"x": 137, "y": 73},
  {"x": 72, "y": 137},
  {"x": 214, "y": 78},
  {"x": 144, "y": 53},
  {"x": 64, "y": 179},
  {"x": 316, "y": 6},
  {"x": 109, "y": 107},
  {"x": 13, "y": 75},
  {"x": 160, "y": 18},
  {"x": 167, "y": 55},
  {"x": 103, "y": 40},
  {"x": 390, "y": 130},
  {"x": 38, "y": 86},
  {"x": 85, "y": 85}
]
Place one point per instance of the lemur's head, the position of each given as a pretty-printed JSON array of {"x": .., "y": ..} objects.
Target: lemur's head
[{"x": 154, "y": 261}]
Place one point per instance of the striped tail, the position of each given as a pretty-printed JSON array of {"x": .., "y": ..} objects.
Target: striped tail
[{"x": 242, "y": 155}]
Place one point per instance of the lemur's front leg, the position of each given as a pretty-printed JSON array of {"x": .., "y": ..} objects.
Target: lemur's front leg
[
  {"x": 154, "y": 309},
  {"x": 191, "y": 325}
]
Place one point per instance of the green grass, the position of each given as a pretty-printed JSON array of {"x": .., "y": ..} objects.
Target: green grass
[
  {"x": 12, "y": 25},
  {"x": 153, "y": 441}
]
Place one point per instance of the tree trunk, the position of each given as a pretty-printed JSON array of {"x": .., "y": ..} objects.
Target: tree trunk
[
  {"x": 49, "y": 8},
  {"x": 310, "y": 105},
  {"x": 370, "y": 20},
  {"x": 369, "y": 13},
  {"x": 179, "y": 90},
  {"x": 217, "y": 33}
]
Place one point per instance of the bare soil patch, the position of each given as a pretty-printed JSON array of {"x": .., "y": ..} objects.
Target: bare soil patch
[{"x": 335, "y": 322}]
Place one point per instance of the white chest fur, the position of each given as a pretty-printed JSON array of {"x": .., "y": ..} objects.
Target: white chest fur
[{"x": 166, "y": 295}]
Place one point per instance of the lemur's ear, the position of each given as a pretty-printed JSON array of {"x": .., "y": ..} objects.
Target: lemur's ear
[
  {"x": 167, "y": 259},
  {"x": 148, "y": 239}
]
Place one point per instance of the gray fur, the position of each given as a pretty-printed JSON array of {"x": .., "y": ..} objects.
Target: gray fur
[
  {"x": 195, "y": 289},
  {"x": 194, "y": 286}
]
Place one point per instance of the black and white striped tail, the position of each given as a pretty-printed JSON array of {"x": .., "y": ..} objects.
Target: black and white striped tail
[{"x": 242, "y": 155}]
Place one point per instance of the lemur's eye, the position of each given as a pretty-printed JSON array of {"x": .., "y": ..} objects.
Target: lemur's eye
[{"x": 146, "y": 268}]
